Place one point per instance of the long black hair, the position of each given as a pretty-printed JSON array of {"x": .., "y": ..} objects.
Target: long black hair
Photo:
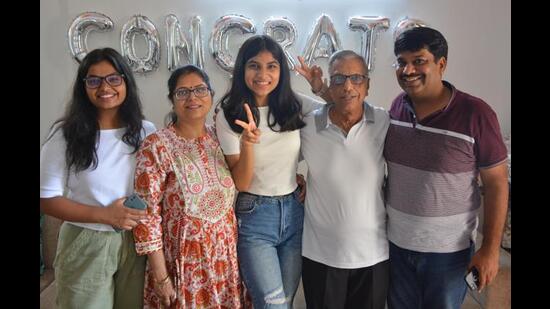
[
  {"x": 171, "y": 118},
  {"x": 283, "y": 104},
  {"x": 80, "y": 125}
]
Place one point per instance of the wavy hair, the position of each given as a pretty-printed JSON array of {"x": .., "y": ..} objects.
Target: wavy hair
[
  {"x": 283, "y": 103},
  {"x": 80, "y": 125}
]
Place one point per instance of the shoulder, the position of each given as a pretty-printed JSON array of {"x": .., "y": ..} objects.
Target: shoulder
[
  {"x": 472, "y": 105},
  {"x": 380, "y": 114},
  {"x": 309, "y": 104},
  {"x": 148, "y": 126}
]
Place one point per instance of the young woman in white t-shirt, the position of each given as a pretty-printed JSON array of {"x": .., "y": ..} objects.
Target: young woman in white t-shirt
[
  {"x": 258, "y": 129},
  {"x": 90, "y": 155}
]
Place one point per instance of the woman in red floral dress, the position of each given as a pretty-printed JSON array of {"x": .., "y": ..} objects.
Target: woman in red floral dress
[{"x": 191, "y": 232}]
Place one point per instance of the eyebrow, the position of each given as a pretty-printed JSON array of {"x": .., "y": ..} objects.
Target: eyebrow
[
  {"x": 192, "y": 87},
  {"x": 254, "y": 61}
]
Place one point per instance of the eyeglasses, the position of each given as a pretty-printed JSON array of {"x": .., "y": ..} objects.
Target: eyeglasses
[
  {"x": 417, "y": 63},
  {"x": 340, "y": 79},
  {"x": 94, "y": 82},
  {"x": 184, "y": 93}
]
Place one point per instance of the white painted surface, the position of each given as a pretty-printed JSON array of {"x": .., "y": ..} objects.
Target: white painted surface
[{"x": 478, "y": 33}]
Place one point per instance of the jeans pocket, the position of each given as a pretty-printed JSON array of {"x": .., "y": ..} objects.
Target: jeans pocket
[{"x": 246, "y": 203}]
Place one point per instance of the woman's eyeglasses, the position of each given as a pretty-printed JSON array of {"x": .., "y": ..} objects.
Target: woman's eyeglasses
[
  {"x": 93, "y": 82},
  {"x": 184, "y": 93}
]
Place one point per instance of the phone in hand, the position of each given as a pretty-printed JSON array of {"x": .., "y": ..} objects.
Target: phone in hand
[
  {"x": 472, "y": 279},
  {"x": 135, "y": 202}
]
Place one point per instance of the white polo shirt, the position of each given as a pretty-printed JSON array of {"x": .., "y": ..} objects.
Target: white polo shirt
[{"x": 345, "y": 217}]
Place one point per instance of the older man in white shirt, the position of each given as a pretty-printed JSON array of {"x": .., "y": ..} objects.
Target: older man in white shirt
[{"x": 345, "y": 247}]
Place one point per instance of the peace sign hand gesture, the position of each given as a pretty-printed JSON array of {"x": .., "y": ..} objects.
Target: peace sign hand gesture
[
  {"x": 251, "y": 134},
  {"x": 313, "y": 75}
]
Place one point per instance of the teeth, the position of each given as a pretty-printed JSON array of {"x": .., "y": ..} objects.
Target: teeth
[
  {"x": 410, "y": 79},
  {"x": 105, "y": 96},
  {"x": 262, "y": 83}
]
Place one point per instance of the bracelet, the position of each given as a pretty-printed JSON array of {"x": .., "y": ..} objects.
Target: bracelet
[
  {"x": 163, "y": 282},
  {"x": 321, "y": 91}
]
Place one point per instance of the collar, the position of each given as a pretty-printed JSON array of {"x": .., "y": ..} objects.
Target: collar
[
  {"x": 407, "y": 103},
  {"x": 322, "y": 120}
]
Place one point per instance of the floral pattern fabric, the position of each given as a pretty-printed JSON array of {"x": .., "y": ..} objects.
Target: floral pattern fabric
[{"x": 190, "y": 195}]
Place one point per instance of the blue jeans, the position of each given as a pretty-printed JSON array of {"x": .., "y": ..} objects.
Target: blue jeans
[
  {"x": 270, "y": 247},
  {"x": 427, "y": 280}
]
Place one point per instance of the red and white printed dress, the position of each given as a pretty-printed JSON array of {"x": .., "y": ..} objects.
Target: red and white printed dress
[{"x": 190, "y": 195}]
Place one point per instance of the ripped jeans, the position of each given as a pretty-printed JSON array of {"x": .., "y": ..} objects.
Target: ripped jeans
[{"x": 270, "y": 247}]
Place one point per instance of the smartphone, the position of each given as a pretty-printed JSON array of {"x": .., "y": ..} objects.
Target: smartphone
[
  {"x": 135, "y": 202},
  {"x": 472, "y": 279}
]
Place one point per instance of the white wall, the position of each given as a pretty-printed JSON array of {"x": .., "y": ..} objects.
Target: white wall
[{"x": 478, "y": 33}]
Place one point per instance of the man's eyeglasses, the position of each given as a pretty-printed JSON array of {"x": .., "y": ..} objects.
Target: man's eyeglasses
[
  {"x": 417, "y": 63},
  {"x": 184, "y": 93},
  {"x": 94, "y": 82},
  {"x": 340, "y": 79}
]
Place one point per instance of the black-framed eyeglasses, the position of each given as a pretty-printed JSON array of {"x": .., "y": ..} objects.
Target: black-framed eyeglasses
[
  {"x": 340, "y": 79},
  {"x": 184, "y": 93},
  {"x": 94, "y": 82}
]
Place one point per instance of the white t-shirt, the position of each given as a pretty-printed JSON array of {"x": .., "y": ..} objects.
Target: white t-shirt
[
  {"x": 112, "y": 179},
  {"x": 275, "y": 157},
  {"x": 345, "y": 217}
]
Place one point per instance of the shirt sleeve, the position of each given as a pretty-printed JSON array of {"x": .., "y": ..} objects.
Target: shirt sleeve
[
  {"x": 490, "y": 148},
  {"x": 229, "y": 140},
  {"x": 53, "y": 170},
  {"x": 150, "y": 184},
  {"x": 309, "y": 104}
]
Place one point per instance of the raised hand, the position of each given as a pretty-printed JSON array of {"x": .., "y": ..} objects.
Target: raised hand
[
  {"x": 251, "y": 134},
  {"x": 313, "y": 75}
]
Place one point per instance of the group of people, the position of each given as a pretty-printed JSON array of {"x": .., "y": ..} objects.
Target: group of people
[{"x": 387, "y": 213}]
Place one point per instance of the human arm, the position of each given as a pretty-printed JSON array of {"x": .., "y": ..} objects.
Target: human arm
[
  {"x": 241, "y": 165},
  {"x": 115, "y": 214},
  {"x": 300, "y": 180},
  {"x": 495, "y": 201},
  {"x": 53, "y": 182},
  {"x": 314, "y": 76},
  {"x": 164, "y": 287}
]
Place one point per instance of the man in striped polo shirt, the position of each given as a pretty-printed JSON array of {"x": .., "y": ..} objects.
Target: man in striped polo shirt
[{"x": 439, "y": 141}]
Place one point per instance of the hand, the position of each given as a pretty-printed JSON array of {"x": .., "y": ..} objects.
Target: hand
[
  {"x": 251, "y": 134},
  {"x": 313, "y": 75},
  {"x": 302, "y": 185},
  {"x": 122, "y": 217},
  {"x": 487, "y": 264},
  {"x": 166, "y": 293}
]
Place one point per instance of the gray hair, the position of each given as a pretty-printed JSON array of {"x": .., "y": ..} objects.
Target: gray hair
[{"x": 344, "y": 54}]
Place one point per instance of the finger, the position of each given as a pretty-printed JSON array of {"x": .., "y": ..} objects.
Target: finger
[
  {"x": 302, "y": 62},
  {"x": 136, "y": 212},
  {"x": 251, "y": 121},
  {"x": 243, "y": 124}
]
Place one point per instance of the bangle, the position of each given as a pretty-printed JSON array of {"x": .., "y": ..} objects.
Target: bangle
[
  {"x": 321, "y": 91},
  {"x": 163, "y": 282}
]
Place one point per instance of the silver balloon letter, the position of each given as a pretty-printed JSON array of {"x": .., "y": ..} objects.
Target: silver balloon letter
[
  {"x": 323, "y": 28},
  {"x": 219, "y": 39},
  {"x": 79, "y": 29},
  {"x": 370, "y": 26},
  {"x": 407, "y": 23},
  {"x": 284, "y": 32},
  {"x": 142, "y": 25},
  {"x": 177, "y": 43}
]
